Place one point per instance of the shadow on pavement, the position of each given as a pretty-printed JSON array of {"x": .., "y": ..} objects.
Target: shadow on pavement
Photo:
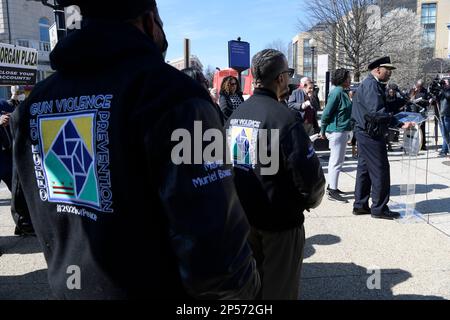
[
  {"x": 30, "y": 286},
  {"x": 348, "y": 281},
  {"x": 434, "y": 206},
  {"x": 319, "y": 240},
  {"x": 420, "y": 188},
  {"x": 19, "y": 245}
]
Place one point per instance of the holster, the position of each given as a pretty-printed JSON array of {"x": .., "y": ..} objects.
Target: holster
[{"x": 377, "y": 126}]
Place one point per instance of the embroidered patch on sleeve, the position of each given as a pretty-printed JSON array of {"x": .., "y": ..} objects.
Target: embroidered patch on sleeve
[{"x": 243, "y": 145}]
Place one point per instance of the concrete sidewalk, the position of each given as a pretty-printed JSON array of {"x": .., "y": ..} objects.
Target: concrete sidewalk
[{"x": 413, "y": 257}]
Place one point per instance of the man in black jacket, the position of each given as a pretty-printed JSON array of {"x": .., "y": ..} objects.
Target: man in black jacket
[
  {"x": 117, "y": 217},
  {"x": 277, "y": 175}
]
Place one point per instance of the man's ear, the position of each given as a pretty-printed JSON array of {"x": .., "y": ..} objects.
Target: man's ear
[{"x": 279, "y": 79}]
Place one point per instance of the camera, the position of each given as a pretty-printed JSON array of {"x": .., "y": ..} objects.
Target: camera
[{"x": 436, "y": 87}]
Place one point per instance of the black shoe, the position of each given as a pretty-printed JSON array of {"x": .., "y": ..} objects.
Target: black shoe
[
  {"x": 24, "y": 230},
  {"x": 360, "y": 211},
  {"x": 388, "y": 215},
  {"x": 333, "y": 195},
  {"x": 337, "y": 190}
]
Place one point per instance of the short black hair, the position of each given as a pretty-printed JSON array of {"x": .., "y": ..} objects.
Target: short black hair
[
  {"x": 340, "y": 76},
  {"x": 267, "y": 65}
]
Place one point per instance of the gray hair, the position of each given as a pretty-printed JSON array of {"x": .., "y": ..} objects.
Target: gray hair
[
  {"x": 305, "y": 80},
  {"x": 267, "y": 65}
]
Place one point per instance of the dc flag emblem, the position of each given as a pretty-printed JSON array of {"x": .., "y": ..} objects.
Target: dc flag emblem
[
  {"x": 68, "y": 150},
  {"x": 242, "y": 144}
]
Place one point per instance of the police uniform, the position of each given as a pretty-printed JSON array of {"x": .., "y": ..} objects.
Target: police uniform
[
  {"x": 93, "y": 147},
  {"x": 371, "y": 128}
]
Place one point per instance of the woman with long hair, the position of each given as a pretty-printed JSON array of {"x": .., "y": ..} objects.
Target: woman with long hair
[{"x": 230, "y": 96}]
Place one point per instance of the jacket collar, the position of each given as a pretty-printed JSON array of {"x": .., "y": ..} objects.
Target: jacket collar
[{"x": 265, "y": 92}]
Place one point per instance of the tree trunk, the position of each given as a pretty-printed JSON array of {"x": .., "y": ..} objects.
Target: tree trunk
[{"x": 356, "y": 75}]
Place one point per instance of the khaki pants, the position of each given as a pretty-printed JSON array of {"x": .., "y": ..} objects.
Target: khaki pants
[{"x": 279, "y": 257}]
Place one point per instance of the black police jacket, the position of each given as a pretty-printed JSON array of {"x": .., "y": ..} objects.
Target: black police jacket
[
  {"x": 273, "y": 200},
  {"x": 116, "y": 217},
  {"x": 369, "y": 102}
]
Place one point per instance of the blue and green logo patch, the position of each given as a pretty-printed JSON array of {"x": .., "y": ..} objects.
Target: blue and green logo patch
[{"x": 68, "y": 150}]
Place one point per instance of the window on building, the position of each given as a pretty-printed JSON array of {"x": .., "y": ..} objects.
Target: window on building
[
  {"x": 44, "y": 26},
  {"x": 23, "y": 43},
  {"x": 428, "y": 20},
  {"x": 295, "y": 56},
  {"x": 306, "y": 43}
]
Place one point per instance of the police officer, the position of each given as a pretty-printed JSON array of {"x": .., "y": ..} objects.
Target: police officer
[
  {"x": 111, "y": 204},
  {"x": 371, "y": 128},
  {"x": 274, "y": 193}
]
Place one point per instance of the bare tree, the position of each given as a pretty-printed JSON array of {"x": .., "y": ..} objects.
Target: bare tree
[
  {"x": 209, "y": 75},
  {"x": 433, "y": 67},
  {"x": 279, "y": 45},
  {"x": 404, "y": 45},
  {"x": 351, "y": 31}
]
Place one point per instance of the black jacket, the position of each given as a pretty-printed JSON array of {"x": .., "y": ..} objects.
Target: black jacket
[
  {"x": 93, "y": 148},
  {"x": 226, "y": 106},
  {"x": 273, "y": 202},
  {"x": 370, "y": 101}
]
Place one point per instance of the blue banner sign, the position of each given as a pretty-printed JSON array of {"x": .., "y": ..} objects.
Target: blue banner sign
[{"x": 239, "y": 55}]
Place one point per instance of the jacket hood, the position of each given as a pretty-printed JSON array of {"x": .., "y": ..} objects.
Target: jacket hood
[{"x": 100, "y": 44}]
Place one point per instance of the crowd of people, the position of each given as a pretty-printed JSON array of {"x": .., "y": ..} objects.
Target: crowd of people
[{"x": 210, "y": 231}]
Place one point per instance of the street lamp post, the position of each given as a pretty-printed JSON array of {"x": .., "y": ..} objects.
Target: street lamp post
[
  {"x": 60, "y": 17},
  {"x": 312, "y": 45},
  {"x": 448, "y": 47}
]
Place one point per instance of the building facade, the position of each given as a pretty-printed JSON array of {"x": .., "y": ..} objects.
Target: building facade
[
  {"x": 435, "y": 18},
  {"x": 26, "y": 23},
  {"x": 194, "y": 62}
]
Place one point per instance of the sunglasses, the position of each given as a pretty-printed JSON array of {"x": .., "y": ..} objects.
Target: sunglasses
[
  {"x": 289, "y": 72},
  {"x": 233, "y": 84}
]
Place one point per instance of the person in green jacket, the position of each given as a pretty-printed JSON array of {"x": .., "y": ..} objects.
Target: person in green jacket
[{"x": 336, "y": 127}]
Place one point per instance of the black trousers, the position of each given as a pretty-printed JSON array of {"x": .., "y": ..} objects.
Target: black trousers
[
  {"x": 422, "y": 128},
  {"x": 6, "y": 168},
  {"x": 373, "y": 175}
]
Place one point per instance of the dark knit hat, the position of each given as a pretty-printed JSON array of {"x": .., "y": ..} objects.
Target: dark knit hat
[{"x": 113, "y": 10}]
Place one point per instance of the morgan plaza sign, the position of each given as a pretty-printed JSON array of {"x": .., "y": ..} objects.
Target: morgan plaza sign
[{"x": 18, "y": 65}]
